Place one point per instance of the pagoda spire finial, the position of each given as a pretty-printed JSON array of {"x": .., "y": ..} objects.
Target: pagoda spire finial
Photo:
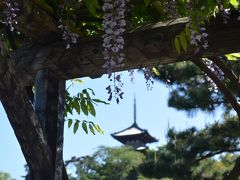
[{"x": 134, "y": 110}]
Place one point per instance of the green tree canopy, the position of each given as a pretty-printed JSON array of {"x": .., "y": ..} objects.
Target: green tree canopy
[
  {"x": 164, "y": 163},
  {"x": 110, "y": 164},
  {"x": 5, "y": 176},
  {"x": 190, "y": 90}
]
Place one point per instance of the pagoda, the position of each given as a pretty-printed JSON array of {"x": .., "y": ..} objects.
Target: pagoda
[{"x": 134, "y": 136}]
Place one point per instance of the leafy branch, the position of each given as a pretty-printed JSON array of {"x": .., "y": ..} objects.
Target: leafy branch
[
  {"x": 83, "y": 103},
  {"x": 86, "y": 126}
]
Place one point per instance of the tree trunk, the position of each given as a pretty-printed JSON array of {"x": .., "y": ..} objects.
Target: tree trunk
[{"x": 26, "y": 126}]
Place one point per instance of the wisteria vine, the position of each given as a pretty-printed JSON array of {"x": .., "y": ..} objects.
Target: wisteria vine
[
  {"x": 217, "y": 71},
  {"x": 113, "y": 43},
  {"x": 10, "y": 13}
]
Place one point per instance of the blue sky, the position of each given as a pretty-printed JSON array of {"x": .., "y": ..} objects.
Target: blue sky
[{"x": 152, "y": 114}]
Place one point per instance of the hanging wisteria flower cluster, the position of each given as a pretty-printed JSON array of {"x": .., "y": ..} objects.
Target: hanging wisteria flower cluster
[
  {"x": 10, "y": 13},
  {"x": 115, "y": 90},
  {"x": 217, "y": 71},
  {"x": 113, "y": 26},
  {"x": 148, "y": 75},
  {"x": 132, "y": 75},
  {"x": 113, "y": 42},
  {"x": 68, "y": 36},
  {"x": 198, "y": 34},
  {"x": 198, "y": 38}
]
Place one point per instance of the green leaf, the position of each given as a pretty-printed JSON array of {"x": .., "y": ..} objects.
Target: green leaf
[
  {"x": 235, "y": 54},
  {"x": 188, "y": 33},
  {"x": 70, "y": 121},
  {"x": 235, "y": 3},
  {"x": 93, "y": 93},
  {"x": 91, "y": 108},
  {"x": 92, "y": 5},
  {"x": 100, "y": 101},
  {"x": 177, "y": 45},
  {"x": 84, "y": 107},
  {"x": 147, "y": 2},
  {"x": 158, "y": 6},
  {"x": 183, "y": 41},
  {"x": 68, "y": 108},
  {"x": 68, "y": 97},
  {"x": 91, "y": 129},
  {"x": 76, "y": 105},
  {"x": 156, "y": 72},
  {"x": 79, "y": 81},
  {"x": 98, "y": 129},
  {"x": 84, "y": 126},
  {"x": 86, "y": 93},
  {"x": 231, "y": 57},
  {"x": 75, "y": 127}
]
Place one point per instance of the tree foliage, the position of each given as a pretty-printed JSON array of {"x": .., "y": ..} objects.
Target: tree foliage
[
  {"x": 163, "y": 163},
  {"x": 109, "y": 163},
  {"x": 5, "y": 176},
  {"x": 190, "y": 90},
  {"x": 82, "y": 104},
  {"x": 217, "y": 138}
]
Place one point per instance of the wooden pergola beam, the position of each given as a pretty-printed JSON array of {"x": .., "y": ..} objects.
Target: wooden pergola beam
[{"x": 145, "y": 47}]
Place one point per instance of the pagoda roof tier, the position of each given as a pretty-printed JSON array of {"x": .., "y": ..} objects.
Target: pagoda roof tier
[{"x": 134, "y": 133}]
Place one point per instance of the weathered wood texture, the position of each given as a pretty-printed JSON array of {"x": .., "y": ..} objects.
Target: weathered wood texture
[
  {"x": 49, "y": 107},
  {"x": 60, "y": 171},
  {"x": 149, "y": 46},
  {"x": 40, "y": 97},
  {"x": 24, "y": 122}
]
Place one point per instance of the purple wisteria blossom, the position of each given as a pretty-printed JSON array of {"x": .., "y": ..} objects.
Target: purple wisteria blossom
[
  {"x": 67, "y": 35},
  {"x": 10, "y": 12},
  {"x": 217, "y": 71},
  {"x": 198, "y": 33},
  {"x": 132, "y": 75},
  {"x": 198, "y": 38},
  {"x": 148, "y": 75},
  {"x": 113, "y": 43}
]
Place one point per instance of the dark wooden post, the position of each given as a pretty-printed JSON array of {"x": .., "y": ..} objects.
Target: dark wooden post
[
  {"x": 40, "y": 98},
  {"x": 60, "y": 171},
  {"x": 49, "y": 108}
]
